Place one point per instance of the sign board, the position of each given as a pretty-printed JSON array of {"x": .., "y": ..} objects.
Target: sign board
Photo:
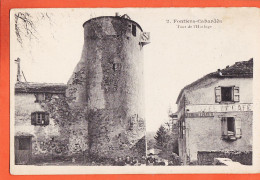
[
  {"x": 145, "y": 38},
  {"x": 219, "y": 108},
  {"x": 199, "y": 114}
]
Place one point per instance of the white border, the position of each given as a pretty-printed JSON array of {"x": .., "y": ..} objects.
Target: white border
[{"x": 41, "y": 170}]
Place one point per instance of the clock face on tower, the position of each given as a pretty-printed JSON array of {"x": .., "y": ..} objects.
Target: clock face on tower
[{"x": 145, "y": 37}]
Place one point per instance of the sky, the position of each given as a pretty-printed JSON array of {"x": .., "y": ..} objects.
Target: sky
[{"x": 176, "y": 56}]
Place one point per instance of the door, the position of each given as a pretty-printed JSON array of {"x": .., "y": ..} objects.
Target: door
[{"x": 23, "y": 149}]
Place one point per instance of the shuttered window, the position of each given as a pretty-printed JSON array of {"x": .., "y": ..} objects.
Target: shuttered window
[
  {"x": 40, "y": 118},
  {"x": 182, "y": 129},
  {"x": 227, "y": 94},
  {"x": 231, "y": 128}
]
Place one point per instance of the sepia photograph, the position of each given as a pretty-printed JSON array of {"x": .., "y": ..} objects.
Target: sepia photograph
[{"x": 93, "y": 90}]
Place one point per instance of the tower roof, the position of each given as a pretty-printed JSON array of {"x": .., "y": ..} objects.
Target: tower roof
[{"x": 113, "y": 17}]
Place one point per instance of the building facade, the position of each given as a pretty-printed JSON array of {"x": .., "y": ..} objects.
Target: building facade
[
  {"x": 46, "y": 128},
  {"x": 215, "y": 115},
  {"x": 35, "y": 128}
]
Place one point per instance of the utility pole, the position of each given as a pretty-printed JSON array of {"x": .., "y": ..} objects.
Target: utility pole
[{"x": 19, "y": 76}]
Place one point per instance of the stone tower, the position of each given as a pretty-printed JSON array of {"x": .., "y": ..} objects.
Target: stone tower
[{"x": 108, "y": 83}]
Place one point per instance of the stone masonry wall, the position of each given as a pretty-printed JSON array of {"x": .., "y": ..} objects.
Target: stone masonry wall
[{"x": 108, "y": 84}]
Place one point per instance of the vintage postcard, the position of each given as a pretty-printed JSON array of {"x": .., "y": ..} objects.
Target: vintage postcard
[{"x": 134, "y": 90}]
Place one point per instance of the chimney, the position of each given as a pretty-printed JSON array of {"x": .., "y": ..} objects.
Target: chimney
[
  {"x": 117, "y": 13},
  {"x": 19, "y": 76},
  {"x": 219, "y": 72}
]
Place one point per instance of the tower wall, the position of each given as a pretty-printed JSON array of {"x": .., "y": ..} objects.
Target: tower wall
[{"x": 108, "y": 82}]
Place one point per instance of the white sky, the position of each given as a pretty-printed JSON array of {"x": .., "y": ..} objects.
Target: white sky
[{"x": 174, "y": 58}]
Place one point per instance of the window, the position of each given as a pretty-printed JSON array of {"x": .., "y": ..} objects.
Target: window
[
  {"x": 39, "y": 97},
  {"x": 116, "y": 66},
  {"x": 131, "y": 125},
  {"x": 231, "y": 125},
  {"x": 40, "y": 118},
  {"x": 231, "y": 128},
  {"x": 134, "y": 30},
  {"x": 181, "y": 129},
  {"x": 226, "y": 94}
]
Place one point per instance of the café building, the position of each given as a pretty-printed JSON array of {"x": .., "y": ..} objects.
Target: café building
[{"x": 215, "y": 115}]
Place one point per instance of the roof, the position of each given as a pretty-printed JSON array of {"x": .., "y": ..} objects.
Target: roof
[
  {"x": 113, "y": 17},
  {"x": 239, "y": 69},
  {"x": 25, "y": 87},
  {"x": 242, "y": 69}
]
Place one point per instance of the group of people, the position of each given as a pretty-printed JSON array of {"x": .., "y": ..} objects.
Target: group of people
[
  {"x": 129, "y": 161},
  {"x": 144, "y": 161}
]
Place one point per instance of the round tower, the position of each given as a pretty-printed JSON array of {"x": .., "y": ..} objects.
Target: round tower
[{"x": 112, "y": 88}]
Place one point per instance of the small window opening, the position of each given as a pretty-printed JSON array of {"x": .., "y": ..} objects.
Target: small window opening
[
  {"x": 134, "y": 30},
  {"x": 226, "y": 93},
  {"x": 114, "y": 66},
  {"x": 131, "y": 124},
  {"x": 40, "y": 97}
]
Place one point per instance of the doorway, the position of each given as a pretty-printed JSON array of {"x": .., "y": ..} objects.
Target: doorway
[{"x": 23, "y": 149}]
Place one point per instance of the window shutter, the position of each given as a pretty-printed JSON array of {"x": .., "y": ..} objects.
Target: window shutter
[
  {"x": 238, "y": 128},
  {"x": 33, "y": 118},
  {"x": 47, "y": 121},
  {"x": 217, "y": 94},
  {"x": 236, "y": 94},
  {"x": 224, "y": 130}
]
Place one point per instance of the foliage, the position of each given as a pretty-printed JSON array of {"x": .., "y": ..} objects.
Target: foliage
[
  {"x": 167, "y": 140},
  {"x": 70, "y": 122},
  {"x": 161, "y": 137},
  {"x": 25, "y": 25},
  {"x": 151, "y": 143}
]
